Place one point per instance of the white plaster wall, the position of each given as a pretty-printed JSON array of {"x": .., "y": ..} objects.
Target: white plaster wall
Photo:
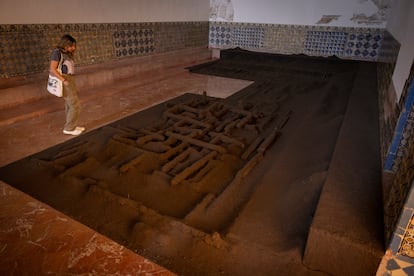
[
  {"x": 301, "y": 12},
  {"x": 101, "y": 11},
  {"x": 400, "y": 25}
]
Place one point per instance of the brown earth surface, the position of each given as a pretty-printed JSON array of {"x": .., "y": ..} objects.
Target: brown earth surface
[{"x": 207, "y": 186}]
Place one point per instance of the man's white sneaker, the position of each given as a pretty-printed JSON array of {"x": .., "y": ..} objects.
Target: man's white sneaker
[
  {"x": 80, "y": 128},
  {"x": 72, "y": 132}
]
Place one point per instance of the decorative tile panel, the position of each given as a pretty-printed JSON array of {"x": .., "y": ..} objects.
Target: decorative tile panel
[
  {"x": 325, "y": 43},
  {"x": 220, "y": 36},
  {"x": 407, "y": 244},
  {"x": 133, "y": 42},
  {"x": 248, "y": 37},
  {"x": 363, "y": 45},
  {"x": 399, "y": 267},
  {"x": 244, "y": 35}
]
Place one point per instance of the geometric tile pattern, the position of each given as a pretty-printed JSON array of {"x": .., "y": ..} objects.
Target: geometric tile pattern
[
  {"x": 401, "y": 260},
  {"x": 220, "y": 36},
  {"x": 363, "y": 45},
  {"x": 88, "y": 51},
  {"x": 407, "y": 244},
  {"x": 397, "y": 267},
  {"x": 22, "y": 52},
  {"x": 399, "y": 207},
  {"x": 325, "y": 43},
  {"x": 399, "y": 204},
  {"x": 133, "y": 42},
  {"x": 248, "y": 38},
  {"x": 228, "y": 35}
]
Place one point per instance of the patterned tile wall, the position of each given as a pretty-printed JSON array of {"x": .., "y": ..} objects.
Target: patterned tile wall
[
  {"x": 399, "y": 206},
  {"x": 388, "y": 108},
  {"x": 23, "y": 52},
  {"x": 400, "y": 257},
  {"x": 399, "y": 216},
  {"x": 103, "y": 42},
  {"x": 25, "y": 49},
  {"x": 400, "y": 161},
  {"x": 399, "y": 190},
  {"x": 351, "y": 43}
]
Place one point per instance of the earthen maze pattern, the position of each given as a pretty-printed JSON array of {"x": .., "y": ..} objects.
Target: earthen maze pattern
[{"x": 195, "y": 159}]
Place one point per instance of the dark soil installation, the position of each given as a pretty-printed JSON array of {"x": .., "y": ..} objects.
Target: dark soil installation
[{"x": 208, "y": 186}]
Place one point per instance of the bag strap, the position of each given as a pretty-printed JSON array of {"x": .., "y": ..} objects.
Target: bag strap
[{"x": 60, "y": 62}]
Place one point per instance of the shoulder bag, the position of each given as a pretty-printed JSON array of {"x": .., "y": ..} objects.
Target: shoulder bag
[{"x": 55, "y": 85}]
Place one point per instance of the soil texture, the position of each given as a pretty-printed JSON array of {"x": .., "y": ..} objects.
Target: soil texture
[{"x": 208, "y": 186}]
